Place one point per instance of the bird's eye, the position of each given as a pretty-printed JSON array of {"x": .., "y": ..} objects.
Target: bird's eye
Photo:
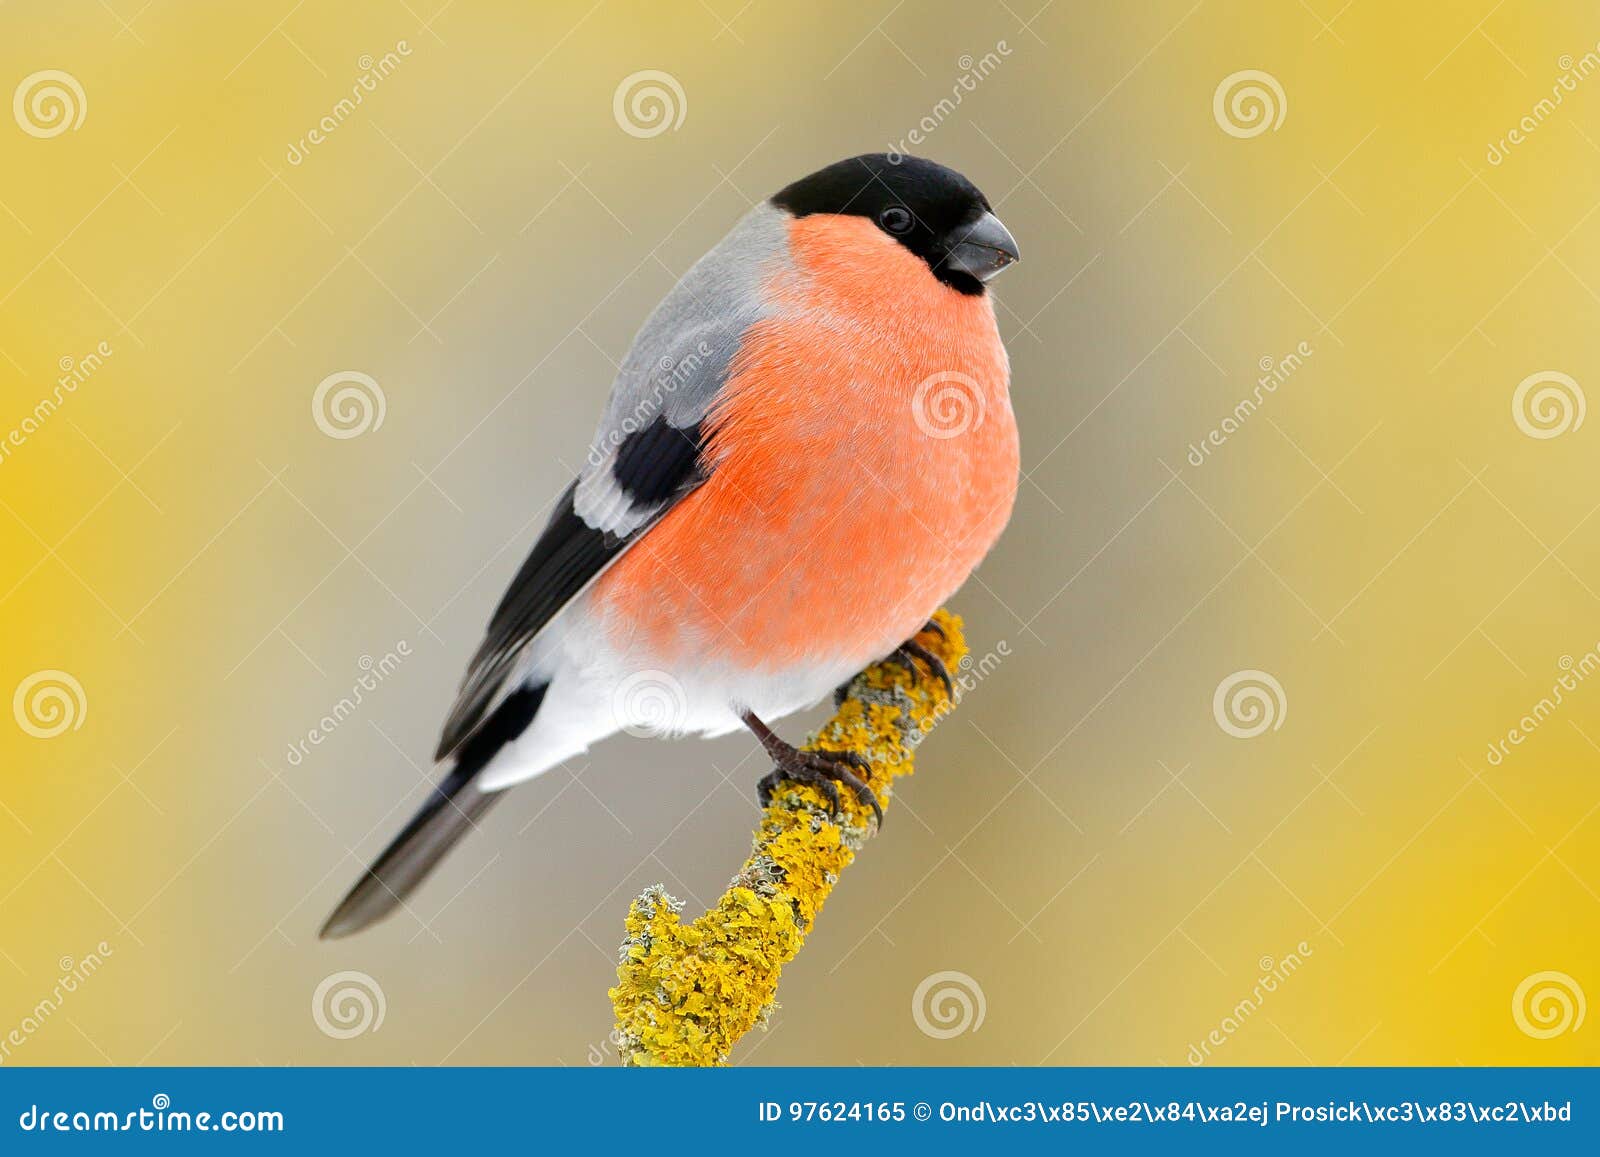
[{"x": 896, "y": 219}]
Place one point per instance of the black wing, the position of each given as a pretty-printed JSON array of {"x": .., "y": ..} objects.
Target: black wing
[{"x": 653, "y": 469}]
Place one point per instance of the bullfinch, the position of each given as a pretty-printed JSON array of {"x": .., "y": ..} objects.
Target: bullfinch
[{"x": 808, "y": 448}]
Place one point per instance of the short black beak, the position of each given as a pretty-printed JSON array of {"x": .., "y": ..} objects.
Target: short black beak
[{"x": 983, "y": 248}]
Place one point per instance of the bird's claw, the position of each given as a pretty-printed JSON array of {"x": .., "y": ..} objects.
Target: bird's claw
[
  {"x": 823, "y": 771},
  {"x": 903, "y": 656},
  {"x": 910, "y": 650}
]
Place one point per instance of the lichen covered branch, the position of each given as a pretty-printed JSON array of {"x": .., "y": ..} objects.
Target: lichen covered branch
[{"x": 686, "y": 993}]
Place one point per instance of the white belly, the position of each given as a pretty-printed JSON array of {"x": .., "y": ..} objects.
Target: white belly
[{"x": 597, "y": 689}]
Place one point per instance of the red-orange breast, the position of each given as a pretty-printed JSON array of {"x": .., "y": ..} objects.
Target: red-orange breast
[{"x": 863, "y": 460}]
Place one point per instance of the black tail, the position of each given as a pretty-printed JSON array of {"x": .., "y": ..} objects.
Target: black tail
[{"x": 452, "y": 809}]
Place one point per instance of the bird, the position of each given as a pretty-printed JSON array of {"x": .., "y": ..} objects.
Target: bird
[{"x": 808, "y": 448}]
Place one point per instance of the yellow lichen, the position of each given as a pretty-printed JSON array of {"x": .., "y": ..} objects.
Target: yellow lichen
[{"x": 686, "y": 993}]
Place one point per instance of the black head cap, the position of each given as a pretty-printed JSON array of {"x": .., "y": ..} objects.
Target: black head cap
[{"x": 933, "y": 211}]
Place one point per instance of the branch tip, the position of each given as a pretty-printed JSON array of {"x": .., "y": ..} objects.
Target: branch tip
[{"x": 686, "y": 993}]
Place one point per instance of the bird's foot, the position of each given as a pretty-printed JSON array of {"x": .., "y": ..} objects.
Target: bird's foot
[
  {"x": 904, "y": 656},
  {"x": 910, "y": 650},
  {"x": 824, "y": 771}
]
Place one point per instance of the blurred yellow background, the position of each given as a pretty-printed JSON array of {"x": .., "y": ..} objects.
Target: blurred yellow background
[{"x": 1391, "y": 543}]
